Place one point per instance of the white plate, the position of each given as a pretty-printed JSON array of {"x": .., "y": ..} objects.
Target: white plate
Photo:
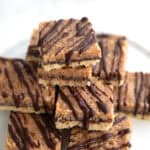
[{"x": 137, "y": 60}]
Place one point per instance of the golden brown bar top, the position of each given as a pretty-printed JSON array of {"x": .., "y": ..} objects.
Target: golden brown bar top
[
  {"x": 134, "y": 96},
  {"x": 111, "y": 68},
  {"x": 19, "y": 88},
  {"x": 65, "y": 42},
  {"x": 117, "y": 138},
  {"x": 90, "y": 107},
  {"x": 32, "y": 132}
]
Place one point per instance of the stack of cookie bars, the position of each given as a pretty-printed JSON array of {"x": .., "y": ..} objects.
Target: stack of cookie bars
[{"x": 72, "y": 90}]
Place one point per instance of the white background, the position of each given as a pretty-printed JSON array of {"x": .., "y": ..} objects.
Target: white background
[{"x": 128, "y": 17}]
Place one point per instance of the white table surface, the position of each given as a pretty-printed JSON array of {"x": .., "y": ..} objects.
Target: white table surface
[{"x": 130, "y": 18}]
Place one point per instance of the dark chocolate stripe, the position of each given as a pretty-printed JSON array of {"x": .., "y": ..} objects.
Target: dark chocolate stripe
[
  {"x": 101, "y": 105},
  {"x": 103, "y": 92},
  {"x": 114, "y": 148},
  {"x": 32, "y": 73},
  {"x": 119, "y": 120},
  {"x": 38, "y": 91},
  {"x": 52, "y": 39},
  {"x": 122, "y": 90},
  {"x": 98, "y": 89},
  {"x": 20, "y": 75},
  {"x": 59, "y": 36},
  {"x": 15, "y": 98},
  {"x": 117, "y": 53},
  {"x": 87, "y": 111},
  {"x": 24, "y": 133},
  {"x": 14, "y": 136},
  {"x": 65, "y": 139},
  {"x": 102, "y": 35},
  {"x": 81, "y": 30},
  {"x": 33, "y": 53},
  {"x": 89, "y": 142},
  {"x": 51, "y": 32},
  {"x": 20, "y": 133},
  {"x": 49, "y": 123},
  {"x": 67, "y": 101},
  {"x": 99, "y": 140},
  {"x": 29, "y": 70},
  {"x": 103, "y": 65},
  {"x": 55, "y": 99},
  {"x": 45, "y": 131},
  {"x": 119, "y": 58},
  {"x": 126, "y": 89},
  {"x": 119, "y": 94},
  {"x": 87, "y": 43},
  {"x": 81, "y": 46},
  {"x": 146, "y": 96},
  {"x": 138, "y": 91}
]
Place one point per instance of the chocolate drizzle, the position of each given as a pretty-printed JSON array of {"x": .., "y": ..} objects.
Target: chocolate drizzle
[
  {"x": 89, "y": 142},
  {"x": 83, "y": 105},
  {"x": 45, "y": 38},
  {"x": 103, "y": 61},
  {"x": 81, "y": 46},
  {"x": 38, "y": 91},
  {"x": 76, "y": 96},
  {"x": 67, "y": 101},
  {"x": 98, "y": 141},
  {"x": 119, "y": 120},
  {"x": 54, "y": 39},
  {"x": 82, "y": 39},
  {"x": 20, "y": 134},
  {"x": 21, "y": 77},
  {"x": 16, "y": 100},
  {"x": 116, "y": 58},
  {"x": 33, "y": 53},
  {"x": 138, "y": 90},
  {"x": 25, "y": 138},
  {"x": 120, "y": 90},
  {"x": 101, "y": 105},
  {"x": 112, "y": 70},
  {"x": 45, "y": 130},
  {"x": 139, "y": 98},
  {"x": 22, "y": 74}
]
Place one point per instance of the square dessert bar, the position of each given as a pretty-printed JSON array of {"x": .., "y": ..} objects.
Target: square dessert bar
[
  {"x": 32, "y": 132},
  {"x": 111, "y": 68},
  {"x": 90, "y": 107},
  {"x": 117, "y": 138},
  {"x": 19, "y": 89},
  {"x": 57, "y": 44},
  {"x": 134, "y": 96}
]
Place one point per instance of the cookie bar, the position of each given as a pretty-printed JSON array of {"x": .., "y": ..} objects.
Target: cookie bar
[
  {"x": 57, "y": 44},
  {"x": 32, "y": 132},
  {"x": 90, "y": 107},
  {"x": 134, "y": 96},
  {"x": 19, "y": 89},
  {"x": 111, "y": 68},
  {"x": 117, "y": 138}
]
